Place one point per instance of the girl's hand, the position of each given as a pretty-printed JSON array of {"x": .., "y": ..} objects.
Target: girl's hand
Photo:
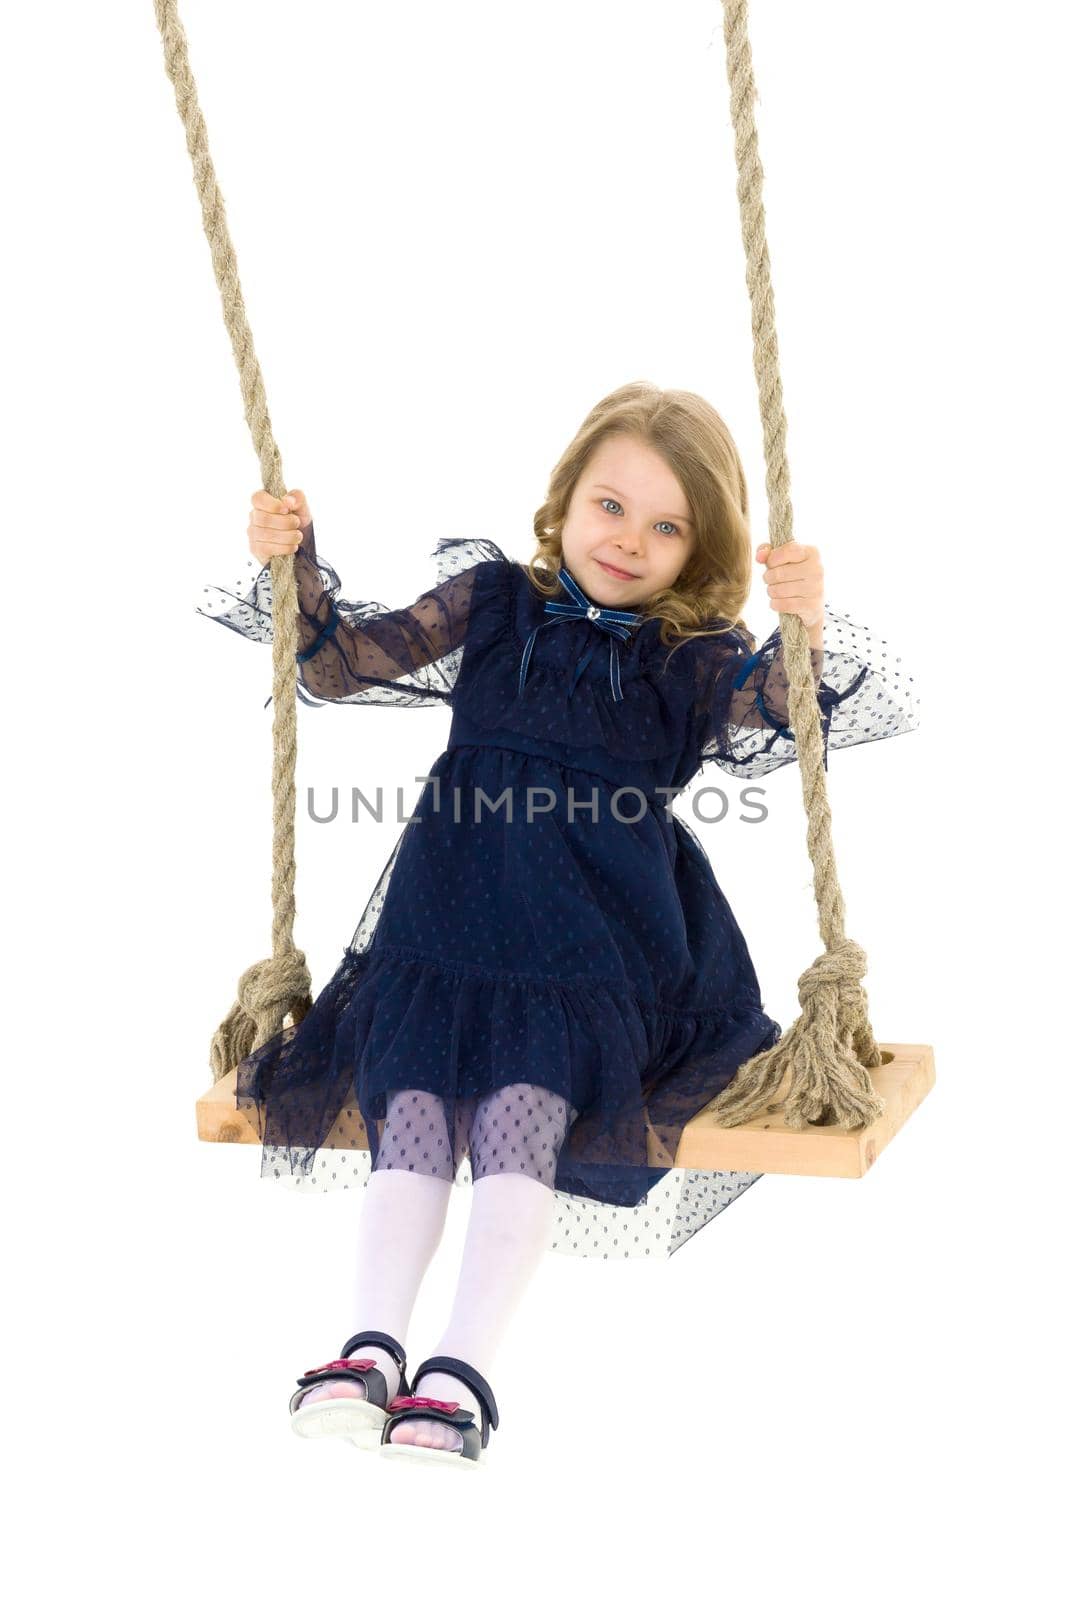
[
  {"x": 275, "y": 527},
  {"x": 794, "y": 580}
]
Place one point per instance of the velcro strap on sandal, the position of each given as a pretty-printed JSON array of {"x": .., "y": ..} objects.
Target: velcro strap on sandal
[
  {"x": 375, "y": 1336},
  {"x": 474, "y": 1381}
]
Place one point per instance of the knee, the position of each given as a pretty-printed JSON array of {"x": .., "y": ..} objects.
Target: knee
[{"x": 511, "y": 1207}]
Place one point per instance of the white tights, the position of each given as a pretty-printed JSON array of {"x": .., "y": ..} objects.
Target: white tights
[{"x": 401, "y": 1223}]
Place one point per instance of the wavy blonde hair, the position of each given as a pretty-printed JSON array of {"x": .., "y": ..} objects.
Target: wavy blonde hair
[{"x": 699, "y": 449}]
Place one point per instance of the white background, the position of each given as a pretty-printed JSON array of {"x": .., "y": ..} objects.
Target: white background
[{"x": 458, "y": 227}]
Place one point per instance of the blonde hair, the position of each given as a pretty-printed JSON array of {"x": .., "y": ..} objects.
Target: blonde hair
[{"x": 697, "y": 446}]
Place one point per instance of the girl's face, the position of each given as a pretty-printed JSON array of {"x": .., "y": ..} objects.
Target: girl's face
[{"x": 628, "y": 530}]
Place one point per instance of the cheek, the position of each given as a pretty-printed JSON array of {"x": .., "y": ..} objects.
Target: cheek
[{"x": 678, "y": 564}]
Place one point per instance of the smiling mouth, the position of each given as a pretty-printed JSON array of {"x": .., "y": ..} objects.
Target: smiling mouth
[{"x": 614, "y": 572}]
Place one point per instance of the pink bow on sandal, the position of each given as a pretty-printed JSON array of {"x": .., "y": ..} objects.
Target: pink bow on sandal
[
  {"x": 421, "y": 1400},
  {"x": 349, "y": 1365}
]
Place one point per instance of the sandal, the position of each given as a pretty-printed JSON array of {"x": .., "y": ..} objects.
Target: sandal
[
  {"x": 473, "y": 1438},
  {"x": 361, "y": 1417}
]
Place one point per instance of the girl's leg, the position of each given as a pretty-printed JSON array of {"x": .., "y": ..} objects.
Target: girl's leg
[
  {"x": 401, "y": 1222},
  {"x": 515, "y": 1139}
]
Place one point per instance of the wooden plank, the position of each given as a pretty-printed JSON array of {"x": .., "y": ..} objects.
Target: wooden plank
[
  {"x": 217, "y": 1116},
  {"x": 764, "y": 1144}
]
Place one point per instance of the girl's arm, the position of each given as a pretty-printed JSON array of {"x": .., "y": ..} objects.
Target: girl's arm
[
  {"x": 359, "y": 651},
  {"x": 862, "y": 691}
]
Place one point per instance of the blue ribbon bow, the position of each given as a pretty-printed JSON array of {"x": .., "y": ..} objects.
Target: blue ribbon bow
[{"x": 612, "y": 621}]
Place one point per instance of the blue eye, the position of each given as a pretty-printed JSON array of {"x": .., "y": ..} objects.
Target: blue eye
[{"x": 663, "y": 524}]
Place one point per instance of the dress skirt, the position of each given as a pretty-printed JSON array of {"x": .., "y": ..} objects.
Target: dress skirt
[{"x": 592, "y": 956}]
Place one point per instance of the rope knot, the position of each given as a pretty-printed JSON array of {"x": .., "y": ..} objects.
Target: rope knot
[
  {"x": 273, "y": 982},
  {"x": 844, "y": 963},
  {"x": 267, "y": 992}
]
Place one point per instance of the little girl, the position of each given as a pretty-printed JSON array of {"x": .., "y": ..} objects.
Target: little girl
[{"x": 547, "y": 978}]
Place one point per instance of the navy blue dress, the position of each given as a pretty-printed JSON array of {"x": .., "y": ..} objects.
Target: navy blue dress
[{"x": 579, "y": 946}]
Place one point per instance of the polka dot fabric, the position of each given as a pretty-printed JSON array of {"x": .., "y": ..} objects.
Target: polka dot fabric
[
  {"x": 741, "y": 696},
  {"x": 358, "y": 650},
  {"x": 517, "y": 1129},
  {"x": 547, "y": 977},
  {"x": 677, "y": 1208}
]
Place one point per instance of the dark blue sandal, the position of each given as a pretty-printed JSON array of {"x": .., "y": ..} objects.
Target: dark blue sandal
[
  {"x": 359, "y": 1417},
  {"x": 473, "y": 1438}
]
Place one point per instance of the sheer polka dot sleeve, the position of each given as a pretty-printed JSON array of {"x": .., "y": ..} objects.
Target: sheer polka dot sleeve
[
  {"x": 863, "y": 690},
  {"x": 359, "y": 651}
]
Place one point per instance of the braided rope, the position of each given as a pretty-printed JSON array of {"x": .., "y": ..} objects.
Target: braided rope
[
  {"x": 270, "y": 989},
  {"x": 830, "y": 1047}
]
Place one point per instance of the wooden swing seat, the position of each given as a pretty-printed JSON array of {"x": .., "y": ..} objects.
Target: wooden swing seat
[{"x": 763, "y": 1144}]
